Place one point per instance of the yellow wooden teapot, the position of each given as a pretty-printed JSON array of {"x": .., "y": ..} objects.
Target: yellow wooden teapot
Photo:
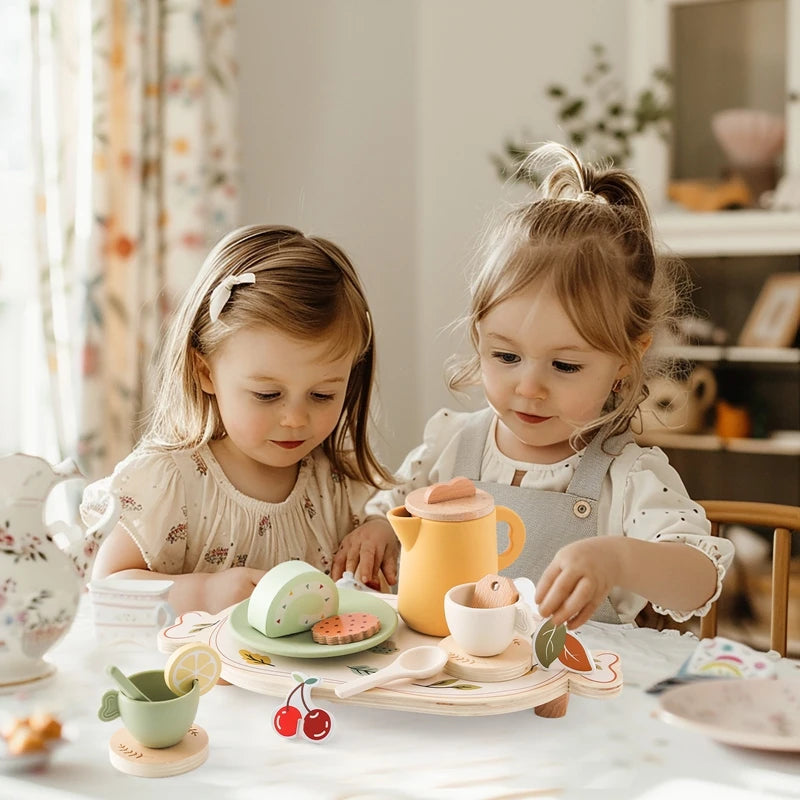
[{"x": 448, "y": 536}]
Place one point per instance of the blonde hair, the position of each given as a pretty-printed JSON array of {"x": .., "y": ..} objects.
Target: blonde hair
[
  {"x": 590, "y": 238},
  {"x": 305, "y": 287}
]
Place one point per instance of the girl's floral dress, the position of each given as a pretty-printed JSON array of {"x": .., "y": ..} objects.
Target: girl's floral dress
[{"x": 185, "y": 515}]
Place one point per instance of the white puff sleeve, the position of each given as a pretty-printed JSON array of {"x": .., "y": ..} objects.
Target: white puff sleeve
[
  {"x": 152, "y": 498},
  {"x": 656, "y": 507},
  {"x": 428, "y": 463}
]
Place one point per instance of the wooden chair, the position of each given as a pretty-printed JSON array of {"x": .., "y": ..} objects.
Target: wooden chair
[{"x": 783, "y": 520}]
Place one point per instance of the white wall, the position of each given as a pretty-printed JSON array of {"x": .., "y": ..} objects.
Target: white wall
[{"x": 371, "y": 122}]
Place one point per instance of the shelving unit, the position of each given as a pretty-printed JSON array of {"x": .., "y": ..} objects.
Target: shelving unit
[
  {"x": 739, "y": 53},
  {"x": 710, "y": 442},
  {"x": 750, "y": 58},
  {"x": 741, "y": 355},
  {"x": 750, "y": 232},
  {"x": 727, "y": 54}
]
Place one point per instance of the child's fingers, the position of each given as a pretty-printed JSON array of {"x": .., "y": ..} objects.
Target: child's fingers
[
  {"x": 545, "y": 583},
  {"x": 352, "y": 561},
  {"x": 389, "y": 567},
  {"x": 366, "y": 568},
  {"x": 551, "y": 590},
  {"x": 584, "y": 616},
  {"x": 575, "y": 606},
  {"x": 566, "y": 598},
  {"x": 339, "y": 564}
]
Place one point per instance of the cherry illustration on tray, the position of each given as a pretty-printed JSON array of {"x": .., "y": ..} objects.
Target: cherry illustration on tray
[{"x": 317, "y": 723}]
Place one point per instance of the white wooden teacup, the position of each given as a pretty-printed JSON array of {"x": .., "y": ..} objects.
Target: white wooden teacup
[
  {"x": 485, "y": 631},
  {"x": 130, "y": 609}
]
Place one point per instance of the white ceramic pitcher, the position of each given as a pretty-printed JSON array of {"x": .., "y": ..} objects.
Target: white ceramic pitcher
[{"x": 40, "y": 583}]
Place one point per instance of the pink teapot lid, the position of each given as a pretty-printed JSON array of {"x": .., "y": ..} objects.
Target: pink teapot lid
[{"x": 457, "y": 500}]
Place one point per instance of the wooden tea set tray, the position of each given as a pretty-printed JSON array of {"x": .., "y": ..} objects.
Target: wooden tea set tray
[{"x": 250, "y": 661}]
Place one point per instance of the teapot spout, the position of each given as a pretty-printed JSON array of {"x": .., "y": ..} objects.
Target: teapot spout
[{"x": 405, "y": 526}]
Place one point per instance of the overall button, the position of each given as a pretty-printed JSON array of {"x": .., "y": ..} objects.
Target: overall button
[{"x": 582, "y": 509}]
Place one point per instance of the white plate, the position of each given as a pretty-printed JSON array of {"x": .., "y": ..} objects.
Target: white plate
[
  {"x": 758, "y": 713},
  {"x": 28, "y": 762}
]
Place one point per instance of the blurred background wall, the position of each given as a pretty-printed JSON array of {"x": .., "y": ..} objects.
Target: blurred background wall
[{"x": 372, "y": 123}]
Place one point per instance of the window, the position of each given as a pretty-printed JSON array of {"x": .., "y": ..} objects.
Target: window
[{"x": 24, "y": 406}]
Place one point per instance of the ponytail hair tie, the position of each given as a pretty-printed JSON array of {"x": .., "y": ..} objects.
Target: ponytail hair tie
[
  {"x": 222, "y": 292},
  {"x": 590, "y": 197}
]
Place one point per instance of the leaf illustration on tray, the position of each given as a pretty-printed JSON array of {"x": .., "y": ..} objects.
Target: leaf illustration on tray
[
  {"x": 201, "y": 626},
  {"x": 362, "y": 669},
  {"x": 384, "y": 648},
  {"x": 548, "y": 642},
  {"x": 449, "y": 683},
  {"x": 256, "y": 658},
  {"x": 575, "y": 657}
]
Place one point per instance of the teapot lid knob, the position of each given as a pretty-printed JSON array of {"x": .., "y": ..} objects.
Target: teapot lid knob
[
  {"x": 455, "y": 489},
  {"x": 457, "y": 500}
]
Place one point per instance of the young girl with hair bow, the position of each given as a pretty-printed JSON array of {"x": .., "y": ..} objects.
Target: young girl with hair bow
[{"x": 257, "y": 451}]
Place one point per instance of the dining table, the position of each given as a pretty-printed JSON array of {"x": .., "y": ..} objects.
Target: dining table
[{"x": 614, "y": 747}]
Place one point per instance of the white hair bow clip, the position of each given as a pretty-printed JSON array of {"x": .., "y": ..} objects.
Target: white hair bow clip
[{"x": 222, "y": 292}]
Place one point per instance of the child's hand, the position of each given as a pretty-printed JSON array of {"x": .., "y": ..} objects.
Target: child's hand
[
  {"x": 223, "y": 589},
  {"x": 366, "y": 551},
  {"x": 578, "y": 579}
]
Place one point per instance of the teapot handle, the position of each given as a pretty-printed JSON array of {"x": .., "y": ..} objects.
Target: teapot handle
[
  {"x": 107, "y": 521},
  {"x": 703, "y": 386},
  {"x": 95, "y": 534},
  {"x": 516, "y": 536}
]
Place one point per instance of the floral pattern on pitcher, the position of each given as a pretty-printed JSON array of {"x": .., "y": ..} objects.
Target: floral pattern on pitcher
[
  {"x": 28, "y": 546},
  {"x": 22, "y": 619}
]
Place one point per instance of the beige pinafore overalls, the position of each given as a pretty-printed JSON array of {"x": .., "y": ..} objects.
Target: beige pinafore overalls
[{"x": 552, "y": 519}]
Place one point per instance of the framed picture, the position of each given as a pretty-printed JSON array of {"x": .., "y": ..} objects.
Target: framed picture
[{"x": 775, "y": 317}]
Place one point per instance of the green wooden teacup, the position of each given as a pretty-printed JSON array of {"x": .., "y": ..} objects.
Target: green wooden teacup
[{"x": 163, "y": 721}]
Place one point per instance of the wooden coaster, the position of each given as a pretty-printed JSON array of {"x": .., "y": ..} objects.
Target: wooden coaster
[
  {"x": 514, "y": 661},
  {"x": 127, "y": 755}
]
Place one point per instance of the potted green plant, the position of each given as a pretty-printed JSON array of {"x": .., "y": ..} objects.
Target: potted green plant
[{"x": 597, "y": 121}]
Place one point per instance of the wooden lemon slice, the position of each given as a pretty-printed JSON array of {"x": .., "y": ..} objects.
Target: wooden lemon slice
[{"x": 192, "y": 662}]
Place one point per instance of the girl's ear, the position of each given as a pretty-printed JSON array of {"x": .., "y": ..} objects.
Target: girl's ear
[
  {"x": 203, "y": 373},
  {"x": 642, "y": 345}
]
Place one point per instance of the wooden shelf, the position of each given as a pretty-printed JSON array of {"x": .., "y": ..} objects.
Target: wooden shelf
[
  {"x": 743, "y": 355},
  {"x": 728, "y": 233},
  {"x": 710, "y": 442}
]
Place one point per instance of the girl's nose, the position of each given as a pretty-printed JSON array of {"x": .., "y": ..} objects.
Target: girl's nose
[
  {"x": 294, "y": 415},
  {"x": 531, "y": 385}
]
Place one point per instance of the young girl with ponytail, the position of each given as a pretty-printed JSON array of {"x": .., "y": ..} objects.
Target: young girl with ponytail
[{"x": 564, "y": 306}]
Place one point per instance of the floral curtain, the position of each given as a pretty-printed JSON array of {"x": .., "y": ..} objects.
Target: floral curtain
[{"x": 136, "y": 147}]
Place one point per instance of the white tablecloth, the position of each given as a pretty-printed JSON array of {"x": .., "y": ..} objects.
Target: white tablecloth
[{"x": 611, "y": 748}]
